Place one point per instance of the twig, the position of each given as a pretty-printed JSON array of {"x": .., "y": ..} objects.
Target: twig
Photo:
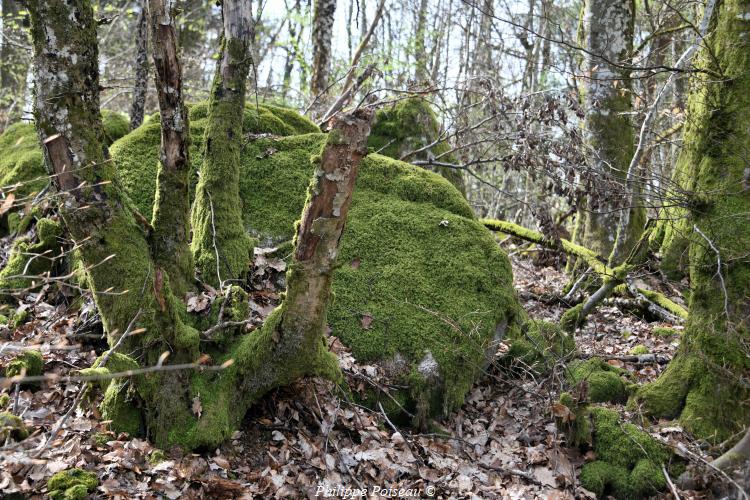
[{"x": 671, "y": 485}]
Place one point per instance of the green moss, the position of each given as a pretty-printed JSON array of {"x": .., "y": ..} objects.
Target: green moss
[
  {"x": 660, "y": 300},
  {"x": 72, "y": 484},
  {"x": 19, "y": 318},
  {"x": 156, "y": 457},
  {"x": 603, "y": 381},
  {"x": 115, "y": 125},
  {"x": 32, "y": 257},
  {"x": 102, "y": 438},
  {"x": 571, "y": 319},
  {"x": 639, "y": 349},
  {"x": 540, "y": 345},
  {"x": 409, "y": 125},
  {"x": 29, "y": 362},
  {"x": 431, "y": 277},
  {"x": 120, "y": 405},
  {"x": 702, "y": 385},
  {"x": 12, "y": 427},
  {"x": 4, "y": 400},
  {"x": 661, "y": 331}
]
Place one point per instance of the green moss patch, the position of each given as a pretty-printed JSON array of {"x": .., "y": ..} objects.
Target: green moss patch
[
  {"x": 72, "y": 484},
  {"x": 12, "y": 427},
  {"x": 30, "y": 363},
  {"x": 540, "y": 344},
  {"x": 410, "y": 125},
  {"x": 31, "y": 257},
  {"x": 428, "y": 277},
  {"x": 603, "y": 381}
]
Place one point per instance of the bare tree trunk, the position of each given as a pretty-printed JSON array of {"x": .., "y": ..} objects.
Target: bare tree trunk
[
  {"x": 170, "y": 238},
  {"x": 140, "y": 86},
  {"x": 322, "y": 33},
  {"x": 221, "y": 247}
]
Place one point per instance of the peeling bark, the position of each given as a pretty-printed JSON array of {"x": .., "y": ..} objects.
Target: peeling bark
[{"x": 171, "y": 219}]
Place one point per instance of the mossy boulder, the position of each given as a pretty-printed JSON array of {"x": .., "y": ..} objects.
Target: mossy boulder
[
  {"x": 12, "y": 427},
  {"x": 604, "y": 383},
  {"x": 72, "y": 484},
  {"x": 29, "y": 362},
  {"x": 21, "y": 161},
  {"x": 628, "y": 461},
  {"x": 410, "y": 125},
  {"x": 32, "y": 256},
  {"x": 422, "y": 286}
]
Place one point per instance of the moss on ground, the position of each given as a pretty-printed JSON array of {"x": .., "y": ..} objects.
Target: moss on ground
[
  {"x": 628, "y": 462},
  {"x": 32, "y": 257},
  {"x": 29, "y": 362},
  {"x": 540, "y": 345},
  {"x": 411, "y": 125},
  {"x": 603, "y": 381},
  {"x": 662, "y": 331},
  {"x": 72, "y": 484},
  {"x": 638, "y": 350},
  {"x": 12, "y": 427},
  {"x": 413, "y": 260}
]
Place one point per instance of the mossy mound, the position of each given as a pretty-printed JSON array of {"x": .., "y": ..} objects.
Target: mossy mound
[
  {"x": 31, "y": 256},
  {"x": 411, "y": 125},
  {"x": 28, "y": 362},
  {"x": 12, "y": 427},
  {"x": 72, "y": 484},
  {"x": 628, "y": 461},
  {"x": 603, "y": 381},
  {"x": 420, "y": 279},
  {"x": 21, "y": 157}
]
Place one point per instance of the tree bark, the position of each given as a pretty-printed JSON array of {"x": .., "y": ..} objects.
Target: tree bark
[
  {"x": 420, "y": 53},
  {"x": 609, "y": 132},
  {"x": 170, "y": 238},
  {"x": 140, "y": 85},
  {"x": 322, "y": 33},
  {"x": 706, "y": 383},
  {"x": 221, "y": 247}
]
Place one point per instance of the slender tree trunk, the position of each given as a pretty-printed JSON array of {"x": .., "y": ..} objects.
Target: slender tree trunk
[
  {"x": 420, "y": 53},
  {"x": 170, "y": 238},
  {"x": 706, "y": 385},
  {"x": 140, "y": 86},
  {"x": 609, "y": 132},
  {"x": 221, "y": 247},
  {"x": 322, "y": 33}
]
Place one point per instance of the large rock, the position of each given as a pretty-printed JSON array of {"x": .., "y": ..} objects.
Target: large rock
[{"x": 423, "y": 288}]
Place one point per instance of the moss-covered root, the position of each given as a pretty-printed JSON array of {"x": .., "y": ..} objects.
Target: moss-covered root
[
  {"x": 29, "y": 363},
  {"x": 72, "y": 484},
  {"x": 628, "y": 461},
  {"x": 12, "y": 427},
  {"x": 29, "y": 260}
]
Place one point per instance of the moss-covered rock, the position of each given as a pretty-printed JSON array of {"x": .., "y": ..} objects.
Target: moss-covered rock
[
  {"x": 12, "y": 427},
  {"x": 572, "y": 318},
  {"x": 72, "y": 484},
  {"x": 603, "y": 381},
  {"x": 638, "y": 350},
  {"x": 29, "y": 362},
  {"x": 419, "y": 278},
  {"x": 21, "y": 159},
  {"x": 410, "y": 125},
  {"x": 628, "y": 461},
  {"x": 31, "y": 257}
]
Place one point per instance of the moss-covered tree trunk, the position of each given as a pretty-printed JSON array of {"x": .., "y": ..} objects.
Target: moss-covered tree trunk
[
  {"x": 140, "y": 84},
  {"x": 706, "y": 383},
  {"x": 170, "y": 237},
  {"x": 322, "y": 33},
  {"x": 220, "y": 244},
  {"x": 610, "y": 136}
]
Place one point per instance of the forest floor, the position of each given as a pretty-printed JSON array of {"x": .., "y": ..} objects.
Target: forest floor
[{"x": 308, "y": 439}]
